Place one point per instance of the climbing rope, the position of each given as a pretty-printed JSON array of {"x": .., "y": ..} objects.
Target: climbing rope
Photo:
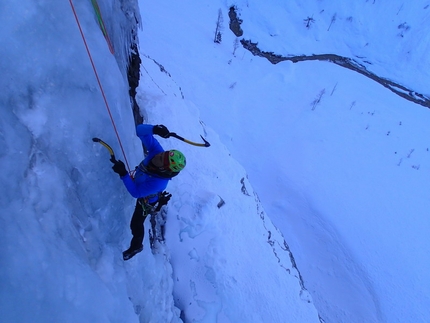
[
  {"x": 98, "y": 81},
  {"x": 102, "y": 25}
]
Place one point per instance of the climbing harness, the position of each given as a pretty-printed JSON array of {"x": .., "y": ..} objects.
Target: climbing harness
[
  {"x": 147, "y": 208},
  {"x": 154, "y": 207}
]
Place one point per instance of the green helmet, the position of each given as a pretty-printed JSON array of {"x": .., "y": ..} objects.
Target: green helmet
[{"x": 175, "y": 160}]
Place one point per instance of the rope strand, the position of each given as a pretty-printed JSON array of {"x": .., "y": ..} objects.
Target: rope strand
[
  {"x": 98, "y": 81},
  {"x": 102, "y": 25}
]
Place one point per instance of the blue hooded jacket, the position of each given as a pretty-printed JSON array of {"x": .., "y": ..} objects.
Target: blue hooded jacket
[{"x": 144, "y": 184}]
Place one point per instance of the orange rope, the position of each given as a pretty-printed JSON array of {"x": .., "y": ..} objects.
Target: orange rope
[{"x": 98, "y": 81}]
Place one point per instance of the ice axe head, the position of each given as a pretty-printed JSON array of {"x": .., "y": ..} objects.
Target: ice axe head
[{"x": 112, "y": 155}]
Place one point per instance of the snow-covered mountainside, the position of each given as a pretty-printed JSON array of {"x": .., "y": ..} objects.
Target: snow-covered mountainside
[
  {"x": 310, "y": 205},
  {"x": 65, "y": 213},
  {"x": 339, "y": 162}
]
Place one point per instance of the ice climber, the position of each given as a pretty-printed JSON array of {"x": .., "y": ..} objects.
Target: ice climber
[{"x": 149, "y": 181}]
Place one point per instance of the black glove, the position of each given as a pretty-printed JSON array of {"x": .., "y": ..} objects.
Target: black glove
[
  {"x": 161, "y": 130},
  {"x": 163, "y": 199},
  {"x": 119, "y": 168}
]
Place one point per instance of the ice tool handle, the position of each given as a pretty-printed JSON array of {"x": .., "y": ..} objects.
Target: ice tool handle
[
  {"x": 205, "y": 144},
  {"x": 112, "y": 155}
]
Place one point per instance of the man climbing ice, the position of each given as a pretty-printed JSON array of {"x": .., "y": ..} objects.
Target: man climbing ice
[{"x": 149, "y": 181}]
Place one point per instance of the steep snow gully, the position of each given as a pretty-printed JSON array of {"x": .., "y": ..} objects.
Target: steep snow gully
[
  {"x": 133, "y": 66},
  {"x": 133, "y": 76}
]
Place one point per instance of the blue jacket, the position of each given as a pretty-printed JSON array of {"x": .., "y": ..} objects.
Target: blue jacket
[{"x": 143, "y": 184}]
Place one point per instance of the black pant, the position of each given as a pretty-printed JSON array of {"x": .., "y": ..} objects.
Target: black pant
[{"x": 136, "y": 225}]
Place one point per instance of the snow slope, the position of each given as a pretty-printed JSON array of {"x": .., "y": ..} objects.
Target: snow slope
[{"x": 345, "y": 178}]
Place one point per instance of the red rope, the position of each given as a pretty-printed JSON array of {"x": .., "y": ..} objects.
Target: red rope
[{"x": 98, "y": 81}]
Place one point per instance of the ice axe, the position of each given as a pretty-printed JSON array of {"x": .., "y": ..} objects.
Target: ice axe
[
  {"x": 109, "y": 148},
  {"x": 205, "y": 144}
]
